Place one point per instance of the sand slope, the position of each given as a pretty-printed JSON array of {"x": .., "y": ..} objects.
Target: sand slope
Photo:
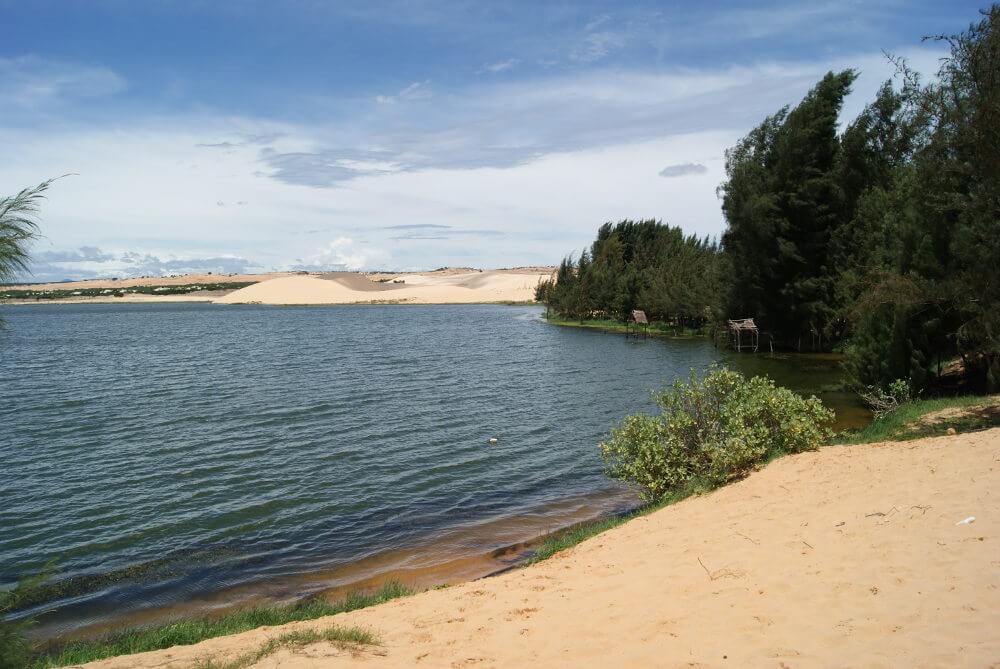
[
  {"x": 849, "y": 556},
  {"x": 429, "y": 288}
]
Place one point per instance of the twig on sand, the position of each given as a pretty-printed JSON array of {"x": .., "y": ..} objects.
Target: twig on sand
[
  {"x": 725, "y": 572},
  {"x": 882, "y": 513},
  {"x": 750, "y": 539},
  {"x": 923, "y": 509},
  {"x": 808, "y": 544},
  {"x": 710, "y": 577}
]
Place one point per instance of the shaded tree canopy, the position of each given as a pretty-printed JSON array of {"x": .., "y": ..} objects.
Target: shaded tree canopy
[{"x": 644, "y": 265}]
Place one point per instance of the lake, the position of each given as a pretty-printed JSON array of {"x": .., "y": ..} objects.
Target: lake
[{"x": 184, "y": 457}]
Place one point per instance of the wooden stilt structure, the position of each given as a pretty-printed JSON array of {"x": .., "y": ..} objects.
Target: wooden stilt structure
[
  {"x": 637, "y": 323},
  {"x": 743, "y": 334}
]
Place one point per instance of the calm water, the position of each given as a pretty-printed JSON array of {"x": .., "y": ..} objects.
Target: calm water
[{"x": 164, "y": 454}]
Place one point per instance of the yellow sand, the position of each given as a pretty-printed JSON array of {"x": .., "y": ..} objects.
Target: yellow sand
[
  {"x": 429, "y": 288},
  {"x": 847, "y": 557}
]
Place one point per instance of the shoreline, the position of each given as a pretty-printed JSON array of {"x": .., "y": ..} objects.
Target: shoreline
[
  {"x": 615, "y": 327},
  {"x": 448, "y": 556},
  {"x": 753, "y": 560}
]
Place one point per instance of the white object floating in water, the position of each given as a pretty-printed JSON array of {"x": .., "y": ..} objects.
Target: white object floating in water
[
  {"x": 491, "y": 440},
  {"x": 967, "y": 521}
]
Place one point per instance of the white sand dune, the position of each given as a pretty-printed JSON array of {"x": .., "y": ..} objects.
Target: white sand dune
[
  {"x": 429, "y": 288},
  {"x": 845, "y": 557}
]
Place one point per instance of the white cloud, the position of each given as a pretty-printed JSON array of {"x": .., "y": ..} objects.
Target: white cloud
[
  {"x": 597, "y": 46},
  {"x": 501, "y": 65},
  {"x": 343, "y": 253},
  {"x": 507, "y": 173},
  {"x": 418, "y": 90},
  {"x": 30, "y": 82},
  {"x": 682, "y": 170}
]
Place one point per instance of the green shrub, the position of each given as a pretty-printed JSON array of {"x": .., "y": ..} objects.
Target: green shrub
[{"x": 712, "y": 430}]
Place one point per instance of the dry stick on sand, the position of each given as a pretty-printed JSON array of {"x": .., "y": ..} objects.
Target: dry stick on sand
[
  {"x": 710, "y": 577},
  {"x": 882, "y": 513}
]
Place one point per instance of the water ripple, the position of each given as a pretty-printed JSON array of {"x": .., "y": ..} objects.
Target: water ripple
[{"x": 238, "y": 443}]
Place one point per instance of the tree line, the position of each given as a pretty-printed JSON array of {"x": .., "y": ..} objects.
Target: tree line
[
  {"x": 882, "y": 239},
  {"x": 638, "y": 265}
]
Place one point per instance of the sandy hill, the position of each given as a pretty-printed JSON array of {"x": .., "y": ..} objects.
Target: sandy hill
[
  {"x": 849, "y": 556},
  {"x": 417, "y": 288}
]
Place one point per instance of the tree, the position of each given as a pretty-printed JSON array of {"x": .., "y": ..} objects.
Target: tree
[
  {"x": 936, "y": 294},
  {"x": 639, "y": 265},
  {"x": 782, "y": 203},
  {"x": 18, "y": 229}
]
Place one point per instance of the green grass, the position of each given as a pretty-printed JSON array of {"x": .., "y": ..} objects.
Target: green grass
[
  {"x": 608, "y": 325},
  {"x": 341, "y": 637},
  {"x": 902, "y": 425},
  {"x": 572, "y": 536},
  {"x": 190, "y": 631}
]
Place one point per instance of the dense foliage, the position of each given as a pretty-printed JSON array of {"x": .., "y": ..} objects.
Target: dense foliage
[
  {"x": 712, "y": 430},
  {"x": 882, "y": 239},
  {"x": 638, "y": 265},
  {"x": 886, "y": 236}
]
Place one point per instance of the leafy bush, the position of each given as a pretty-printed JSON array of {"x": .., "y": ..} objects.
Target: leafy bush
[{"x": 712, "y": 430}]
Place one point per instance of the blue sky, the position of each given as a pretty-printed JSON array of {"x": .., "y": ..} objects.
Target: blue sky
[{"x": 238, "y": 136}]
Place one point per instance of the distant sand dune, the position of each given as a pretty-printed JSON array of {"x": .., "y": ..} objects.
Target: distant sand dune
[
  {"x": 848, "y": 557},
  {"x": 358, "y": 281},
  {"x": 429, "y": 288}
]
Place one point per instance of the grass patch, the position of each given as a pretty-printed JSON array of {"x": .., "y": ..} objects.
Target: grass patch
[
  {"x": 341, "y": 637},
  {"x": 572, "y": 536},
  {"x": 190, "y": 631},
  {"x": 606, "y": 325},
  {"x": 978, "y": 413}
]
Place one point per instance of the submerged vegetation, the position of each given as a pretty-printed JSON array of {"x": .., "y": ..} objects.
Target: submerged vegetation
[
  {"x": 190, "y": 631},
  {"x": 15, "y": 650},
  {"x": 880, "y": 241}
]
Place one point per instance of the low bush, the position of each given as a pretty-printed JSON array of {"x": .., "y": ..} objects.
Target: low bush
[{"x": 712, "y": 430}]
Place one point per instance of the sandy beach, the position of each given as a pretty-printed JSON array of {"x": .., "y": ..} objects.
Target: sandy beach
[{"x": 848, "y": 556}]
